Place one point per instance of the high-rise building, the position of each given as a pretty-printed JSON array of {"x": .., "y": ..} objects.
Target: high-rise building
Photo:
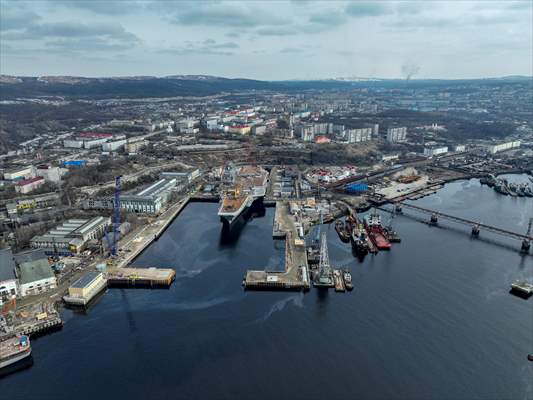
[{"x": 396, "y": 135}]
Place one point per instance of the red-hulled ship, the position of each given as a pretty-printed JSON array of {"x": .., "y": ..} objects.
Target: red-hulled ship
[{"x": 375, "y": 231}]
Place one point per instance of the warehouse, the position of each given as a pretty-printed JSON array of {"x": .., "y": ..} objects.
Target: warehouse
[
  {"x": 34, "y": 273},
  {"x": 72, "y": 236}
]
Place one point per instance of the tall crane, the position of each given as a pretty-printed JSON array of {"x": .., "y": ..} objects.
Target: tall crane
[
  {"x": 116, "y": 218},
  {"x": 324, "y": 277}
]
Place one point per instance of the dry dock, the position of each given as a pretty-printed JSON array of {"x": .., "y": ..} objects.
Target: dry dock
[
  {"x": 140, "y": 277},
  {"x": 296, "y": 273}
]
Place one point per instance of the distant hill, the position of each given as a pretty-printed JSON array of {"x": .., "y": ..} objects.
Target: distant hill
[{"x": 193, "y": 85}]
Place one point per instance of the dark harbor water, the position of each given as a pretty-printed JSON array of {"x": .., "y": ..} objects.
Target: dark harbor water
[{"x": 431, "y": 319}]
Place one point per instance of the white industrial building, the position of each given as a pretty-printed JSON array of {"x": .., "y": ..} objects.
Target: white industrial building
[
  {"x": 34, "y": 273},
  {"x": 147, "y": 201},
  {"x": 8, "y": 278},
  {"x": 72, "y": 236},
  {"x": 496, "y": 148},
  {"x": 26, "y": 172}
]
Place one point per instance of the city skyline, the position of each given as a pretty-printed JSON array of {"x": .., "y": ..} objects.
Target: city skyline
[{"x": 267, "y": 40}]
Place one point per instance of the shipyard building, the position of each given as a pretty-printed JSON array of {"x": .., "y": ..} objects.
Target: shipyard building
[
  {"x": 147, "y": 201},
  {"x": 72, "y": 236}
]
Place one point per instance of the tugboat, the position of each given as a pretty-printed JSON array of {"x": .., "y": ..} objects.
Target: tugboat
[
  {"x": 347, "y": 279},
  {"x": 342, "y": 231},
  {"x": 376, "y": 232}
]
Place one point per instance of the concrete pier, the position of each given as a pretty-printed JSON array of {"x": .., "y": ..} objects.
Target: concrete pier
[
  {"x": 140, "y": 277},
  {"x": 296, "y": 273},
  {"x": 136, "y": 245}
]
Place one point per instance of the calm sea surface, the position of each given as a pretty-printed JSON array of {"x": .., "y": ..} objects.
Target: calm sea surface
[{"x": 431, "y": 319}]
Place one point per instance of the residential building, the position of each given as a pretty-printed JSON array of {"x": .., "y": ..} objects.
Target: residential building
[
  {"x": 114, "y": 146},
  {"x": 435, "y": 151},
  {"x": 358, "y": 135},
  {"x": 396, "y": 135}
]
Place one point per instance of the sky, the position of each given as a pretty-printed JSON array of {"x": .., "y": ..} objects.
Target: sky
[{"x": 270, "y": 40}]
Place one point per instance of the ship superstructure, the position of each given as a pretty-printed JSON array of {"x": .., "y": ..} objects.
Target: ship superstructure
[
  {"x": 14, "y": 349},
  {"x": 248, "y": 184}
]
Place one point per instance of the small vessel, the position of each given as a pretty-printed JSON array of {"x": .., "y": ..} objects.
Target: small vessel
[
  {"x": 376, "y": 232},
  {"x": 522, "y": 288},
  {"x": 347, "y": 279},
  {"x": 342, "y": 230},
  {"x": 14, "y": 349}
]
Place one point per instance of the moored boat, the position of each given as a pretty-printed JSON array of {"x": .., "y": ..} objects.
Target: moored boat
[
  {"x": 376, "y": 232},
  {"x": 14, "y": 349},
  {"x": 342, "y": 230},
  {"x": 347, "y": 279}
]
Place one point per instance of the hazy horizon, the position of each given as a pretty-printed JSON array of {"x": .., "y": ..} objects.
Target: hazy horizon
[{"x": 285, "y": 40}]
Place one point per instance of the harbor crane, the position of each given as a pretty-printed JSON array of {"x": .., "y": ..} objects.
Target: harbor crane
[
  {"x": 324, "y": 276},
  {"x": 112, "y": 243}
]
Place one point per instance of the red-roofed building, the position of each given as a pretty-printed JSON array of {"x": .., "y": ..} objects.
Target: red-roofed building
[
  {"x": 322, "y": 139},
  {"x": 28, "y": 185},
  {"x": 95, "y": 135}
]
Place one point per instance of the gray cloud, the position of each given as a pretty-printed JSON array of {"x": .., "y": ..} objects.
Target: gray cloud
[
  {"x": 16, "y": 19},
  {"x": 277, "y": 31},
  {"x": 206, "y": 47},
  {"x": 328, "y": 19},
  {"x": 367, "y": 9},
  {"x": 104, "y": 7},
  {"x": 226, "y": 14},
  {"x": 72, "y": 30}
]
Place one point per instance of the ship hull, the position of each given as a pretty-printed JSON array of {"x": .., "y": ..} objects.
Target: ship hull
[
  {"x": 229, "y": 220},
  {"x": 15, "y": 359}
]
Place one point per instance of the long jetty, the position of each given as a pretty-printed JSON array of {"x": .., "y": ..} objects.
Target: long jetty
[{"x": 152, "y": 232}]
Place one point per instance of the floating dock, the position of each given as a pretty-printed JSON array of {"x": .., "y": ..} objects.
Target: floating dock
[
  {"x": 140, "y": 277},
  {"x": 522, "y": 288}
]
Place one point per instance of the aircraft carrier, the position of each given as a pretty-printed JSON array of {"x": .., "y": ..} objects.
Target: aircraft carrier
[{"x": 249, "y": 183}]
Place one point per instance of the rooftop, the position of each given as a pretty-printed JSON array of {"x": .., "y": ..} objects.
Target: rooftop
[
  {"x": 86, "y": 279},
  {"x": 7, "y": 265}
]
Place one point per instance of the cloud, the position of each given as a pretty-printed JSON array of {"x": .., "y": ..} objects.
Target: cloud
[
  {"x": 228, "y": 14},
  {"x": 278, "y": 31},
  {"x": 291, "y": 50},
  {"x": 328, "y": 19},
  {"x": 103, "y": 7},
  {"x": 16, "y": 19},
  {"x": 72, "y": 30},
  {"x": 367, "y": 9},
  {"x": 206, "y": 47}
]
